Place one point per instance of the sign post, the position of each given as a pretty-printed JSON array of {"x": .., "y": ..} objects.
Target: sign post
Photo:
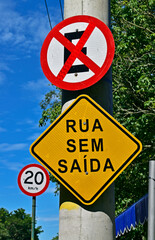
[
  {"x": 33, "y": 218},
  {"x": 151, "y": 201},
  {"x": 33, "y": 180}
]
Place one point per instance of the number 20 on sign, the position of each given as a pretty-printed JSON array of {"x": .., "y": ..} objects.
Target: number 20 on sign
[{"x": 33, "y": 180}]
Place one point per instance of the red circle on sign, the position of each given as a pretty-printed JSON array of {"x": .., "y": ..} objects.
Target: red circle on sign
[
  {"x": 68, "y": 75},
  {"x": 32, "y": 170}
]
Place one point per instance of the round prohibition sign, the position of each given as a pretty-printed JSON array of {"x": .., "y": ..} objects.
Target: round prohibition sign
[
  {"x": 33, "y": 180},
  {"x": 77, "y": 52}
]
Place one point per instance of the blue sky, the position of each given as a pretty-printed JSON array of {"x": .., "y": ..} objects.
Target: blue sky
[{"x": 23, "y": 28}]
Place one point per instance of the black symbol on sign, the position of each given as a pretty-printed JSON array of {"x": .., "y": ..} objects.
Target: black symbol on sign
[
  {"x": 36, "y": 180},
  {"x": 75, "y": 68}
]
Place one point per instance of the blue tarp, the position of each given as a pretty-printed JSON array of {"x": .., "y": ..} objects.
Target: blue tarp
[{"x": 134, "y": 215}]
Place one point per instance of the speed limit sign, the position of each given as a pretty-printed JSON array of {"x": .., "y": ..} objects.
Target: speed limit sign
[{"x": 33, "y": 180}]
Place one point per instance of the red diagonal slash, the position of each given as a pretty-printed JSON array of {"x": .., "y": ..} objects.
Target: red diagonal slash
[{"x": 76, "y": 52}]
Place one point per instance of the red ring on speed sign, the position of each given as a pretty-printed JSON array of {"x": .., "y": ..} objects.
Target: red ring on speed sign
[
  {"x": 33, "y": 180},
  {"x": 77, "y": 52}
]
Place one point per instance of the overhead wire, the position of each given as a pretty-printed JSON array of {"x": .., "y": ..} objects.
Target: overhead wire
[
  {"x": 62, "y": 15},
  {"x": 48, "y": 14}
]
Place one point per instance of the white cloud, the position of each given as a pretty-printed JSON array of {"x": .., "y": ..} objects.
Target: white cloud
[
  {"x": 26, "y": 31},
  {"x": 2, "y": 129},
  {"x": 48, "y": 219},
  {"x": 34, "y": 136},
  {"x": 3, "y": 68},
  {"x": 38, "y": 88},
  {"x": 6, "y": 147},
  {"x": 2, "y": 78},
  {"x": 22, "y": 30},
  {"x": 31, "y": 125},
  {"x": 15, "y": 166},
  {"x": 19, "y": 130},
  {"x": 36, "y": 85},
  {"x": 50, "y": 190},
  {"x": 26, "y": 122}
]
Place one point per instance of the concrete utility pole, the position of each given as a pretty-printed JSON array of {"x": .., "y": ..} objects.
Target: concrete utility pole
[
  {"x": 151, "y": 201},
  {"x": 97, "y": 221}
]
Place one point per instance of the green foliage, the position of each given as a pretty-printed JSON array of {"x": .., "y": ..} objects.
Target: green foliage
[
  {"x": 54, "y": 180},
  {"x": 51, "y": 107},
  {"x": 55, "y": 238},
  {"x": 134, "y": 102},
  {"x": 133, "y": 95},
  {"x": 4, "y": 233},
  {"x": 16, "y": 225},
  {"x": 139, "y": 233}
]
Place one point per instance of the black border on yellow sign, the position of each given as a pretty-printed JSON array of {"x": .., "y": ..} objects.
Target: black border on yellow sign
[{"x": 110, "y": 118}]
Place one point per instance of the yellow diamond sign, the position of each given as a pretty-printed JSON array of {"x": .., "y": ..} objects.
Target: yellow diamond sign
[{"x": 86, "y": 149}]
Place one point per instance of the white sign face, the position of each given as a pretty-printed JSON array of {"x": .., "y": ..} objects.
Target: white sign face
[
  {"x": 77, "y": 52},
  {"x": 96, "y": 48},
  {"x": 33, "y": 180}
]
